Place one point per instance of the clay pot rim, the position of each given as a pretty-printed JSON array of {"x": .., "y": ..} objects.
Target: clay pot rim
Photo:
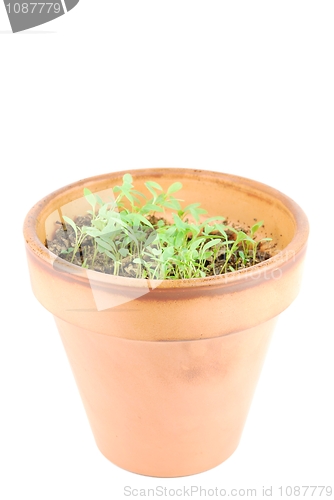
[{"x": 251, "y": 274}]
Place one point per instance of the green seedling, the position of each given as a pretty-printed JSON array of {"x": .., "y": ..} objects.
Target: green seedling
[{"x": 150, "y": 235}]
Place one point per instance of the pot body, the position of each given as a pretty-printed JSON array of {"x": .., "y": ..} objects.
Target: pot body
[
  {"x": 167, "y": 369},
  {"x": 169, "y": 408}
]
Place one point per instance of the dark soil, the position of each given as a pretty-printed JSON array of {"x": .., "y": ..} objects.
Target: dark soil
[{"x": 64, "y": 240}]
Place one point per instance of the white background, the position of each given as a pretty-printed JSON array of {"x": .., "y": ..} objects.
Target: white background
[{"x": 240, "y": 87}]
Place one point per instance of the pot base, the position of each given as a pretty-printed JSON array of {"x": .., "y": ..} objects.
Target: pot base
[{"x": 142, "y": 471}]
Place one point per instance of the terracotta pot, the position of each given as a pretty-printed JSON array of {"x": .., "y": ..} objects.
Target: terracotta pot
[{"x": 167, "y": 369}]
